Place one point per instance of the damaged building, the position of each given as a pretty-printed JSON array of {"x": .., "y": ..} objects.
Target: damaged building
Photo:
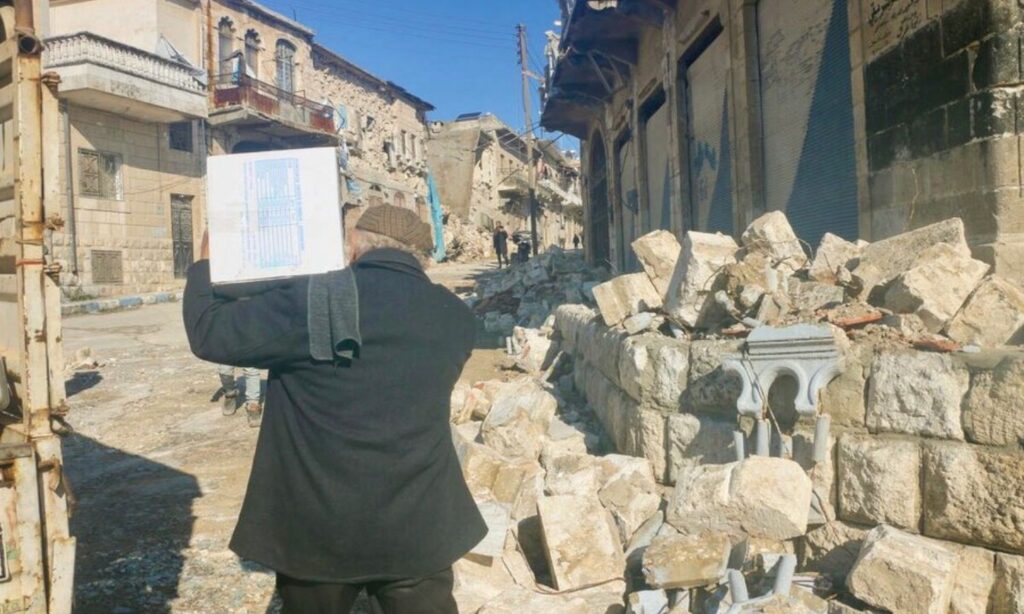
[
  {"x": 145, "y": 105},
  {"x": 863, "y": 118},
  {"x": 483, "y": 178}
]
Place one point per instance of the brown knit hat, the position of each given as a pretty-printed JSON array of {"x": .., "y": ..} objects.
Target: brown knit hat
[{"x": 400, "y": 224}]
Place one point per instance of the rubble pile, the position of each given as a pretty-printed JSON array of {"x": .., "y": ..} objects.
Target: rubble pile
[
  {"x": 631, "y": 475},
  {"x": 465, "y": 242},
  {"x": 526, "y": 294}
]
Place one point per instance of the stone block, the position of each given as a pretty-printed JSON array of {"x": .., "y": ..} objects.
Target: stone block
[
  {"x": 572, "y": 475},
  {"x": 937, "y": 286},
  {"x": 994, "y": 407},
  {"x": 698, "y": 440},
  {"x": 644, "y": 435},
  {"x": 916, "y": 393},
  {"x": 831, "y": 550},
  {"x": 569, "y": 319},
  {"x": 624, "y": 296},
  {"x": 1008, "y": 593},
  {"x": 772, "y": 234},
  {"x": 833, "y": 254},
  {"x": 631, "y": 495},
  {"x": 880, "y": 481},
  {"x": 581, "y": 540},
  {"x": 519, "y": 419},
  {"x": 992, "y": 316},
  {"x": 653, "y": 369},
  {"x": 901, "y": 572},
  {"x": 973, "y": 580},
  {"x": 697, "y": 275},
  {"x": 760, "y": 496},
  {"x": 658, "y": 253},
  {"x": 973, "y": 495},
  {"x": 562, "y": 440},
  {"x": 810, "y": 296},
  {"x": 601, "y": 347},
  {"x": 844, "y": 397},
  {"x": 497, "y": 517},
  {"x": 711, "y": 389},
  {"x": 884, "y": 260},
  {"x": 642, "y": 322},
  {"x": 686, "y": 561},
  {"x": 536, "y": 349}
]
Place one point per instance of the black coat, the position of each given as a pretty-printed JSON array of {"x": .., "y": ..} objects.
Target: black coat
[{"x": 355, "y": 476}]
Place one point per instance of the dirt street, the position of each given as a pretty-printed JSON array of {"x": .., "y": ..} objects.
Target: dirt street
[{"x": 159, "y": 473}]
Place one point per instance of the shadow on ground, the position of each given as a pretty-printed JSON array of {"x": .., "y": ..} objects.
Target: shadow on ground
[
  {"x": 130, "y": 556},
  {"x": 82, "y": 381}
]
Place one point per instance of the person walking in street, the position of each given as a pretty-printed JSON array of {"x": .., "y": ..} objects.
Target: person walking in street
[
  {"x": 575, "y": 241},
  {"x": 229, "y": 390},
  {"x": 355, "y": 484},
  {"x": 500, "y": 240}
]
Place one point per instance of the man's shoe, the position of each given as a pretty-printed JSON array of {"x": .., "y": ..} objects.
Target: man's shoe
[
  {"x": 229, "y": 403},
  {"x": 254, "y": 413}
]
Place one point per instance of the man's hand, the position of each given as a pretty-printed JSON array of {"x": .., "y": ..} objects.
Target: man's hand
[{"x": 204, "y": 248}]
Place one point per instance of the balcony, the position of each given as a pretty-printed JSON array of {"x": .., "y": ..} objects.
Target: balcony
[
  {"x": 104, "y": 74},
  {"x": 245, "y": 102}
]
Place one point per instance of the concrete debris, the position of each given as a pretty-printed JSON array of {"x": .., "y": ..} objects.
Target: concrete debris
[
  {"x": 772, "y": 235},
  {"x": 518, "y": 420},
  {"x": 833, "y": 255},
  {"x": 658, "y": 253},
  {"x": 572, "y": 475},
  {"x": 883, "y": 261},
  {"x": 582, "y": 543},
  {"x": 937, "y": 286},
  {"x": 643, "y": 322},
  {"x": 697, "y": 276},
  {"x": 631, "y": 495},
  {"x": 625, "y": 296},
  {"x": 760, "y": 497},
  {"x": 993, "y": 316},
  {"x": 831, "y": 550},
  {"x": 498, "y": 518},
  {"x": 901, "y": 572},
  {"x": 686, "y": 561},
  {"x": 534, "y": 350},
  {"x": 465, "y": 242},
  {"x": 647, "y": 602}
]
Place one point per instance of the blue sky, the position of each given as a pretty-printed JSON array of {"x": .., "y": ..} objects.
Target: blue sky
[{"x": 460, "y": 55}]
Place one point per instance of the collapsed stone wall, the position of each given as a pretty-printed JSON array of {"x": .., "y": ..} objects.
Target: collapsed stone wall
[{"x": 925, "y": 449}]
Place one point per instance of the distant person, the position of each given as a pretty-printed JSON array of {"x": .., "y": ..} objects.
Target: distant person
[
  {"x": 500, "y": 240},
  {"x": 524, "y": 251},
  {"x": 576, "y": 241},
  {"x": 229, "y": 388},
  {"x": 355, "y": 483}
]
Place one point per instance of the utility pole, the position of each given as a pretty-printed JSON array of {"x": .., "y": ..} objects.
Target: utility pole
[{"x": 524, "y": 64}]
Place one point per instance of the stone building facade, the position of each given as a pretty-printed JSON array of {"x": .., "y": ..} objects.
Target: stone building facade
[
  {"x": 864, "y": 118},
  {"x": 133, "y": 146},
  {"x": 483, "y": 177},
  {"x": 147, "y": 101}
]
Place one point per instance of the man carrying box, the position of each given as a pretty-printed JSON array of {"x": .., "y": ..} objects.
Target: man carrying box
[{"x": 355, "y": 484}]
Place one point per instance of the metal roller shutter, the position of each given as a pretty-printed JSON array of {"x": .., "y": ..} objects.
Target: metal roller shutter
[{"x": 807, "y": 113}]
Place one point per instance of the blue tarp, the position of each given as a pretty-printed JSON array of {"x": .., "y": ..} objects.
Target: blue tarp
[{"x": 437, "y": 216}]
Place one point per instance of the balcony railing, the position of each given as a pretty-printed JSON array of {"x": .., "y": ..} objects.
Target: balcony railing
[
  {"x": 88, "y": 48},
  {"x": 242, "y": 90}
]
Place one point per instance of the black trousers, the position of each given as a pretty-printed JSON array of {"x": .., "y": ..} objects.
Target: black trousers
[
  {"x": 502, "y": 254},
  {"x": 429, "y": 595}
]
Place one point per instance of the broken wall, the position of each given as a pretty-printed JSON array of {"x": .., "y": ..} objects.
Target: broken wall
[{"x": 927, "y": 443}]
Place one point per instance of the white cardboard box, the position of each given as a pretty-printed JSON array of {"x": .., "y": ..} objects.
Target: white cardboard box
[{"x": 274, "y": 214}]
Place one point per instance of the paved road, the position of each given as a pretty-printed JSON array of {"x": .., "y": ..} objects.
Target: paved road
[{"x": 159, "y": 473}]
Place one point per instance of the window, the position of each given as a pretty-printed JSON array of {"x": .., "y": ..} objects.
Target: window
[
  {"x": 179, "y": 135},
  {"x": 405, "y": 143},
  {"x": 226, "y": 44},
  {"x": 252, "y": 54},
  {"x": 412, "y": 147},
  {"x": 285, "y": 58},
  {"x": 107, "y": 267},
  {"x": 99, "y": 174}
]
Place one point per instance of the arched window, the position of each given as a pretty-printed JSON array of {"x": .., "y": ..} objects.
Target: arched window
[
  {"x": 226, "y": 44},
  {"x": 252, "y": 53},
  {"x": 285, "y": 58}
]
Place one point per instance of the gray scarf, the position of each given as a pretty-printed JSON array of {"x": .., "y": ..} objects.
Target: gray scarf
[{"x": 334, "y": 316}]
